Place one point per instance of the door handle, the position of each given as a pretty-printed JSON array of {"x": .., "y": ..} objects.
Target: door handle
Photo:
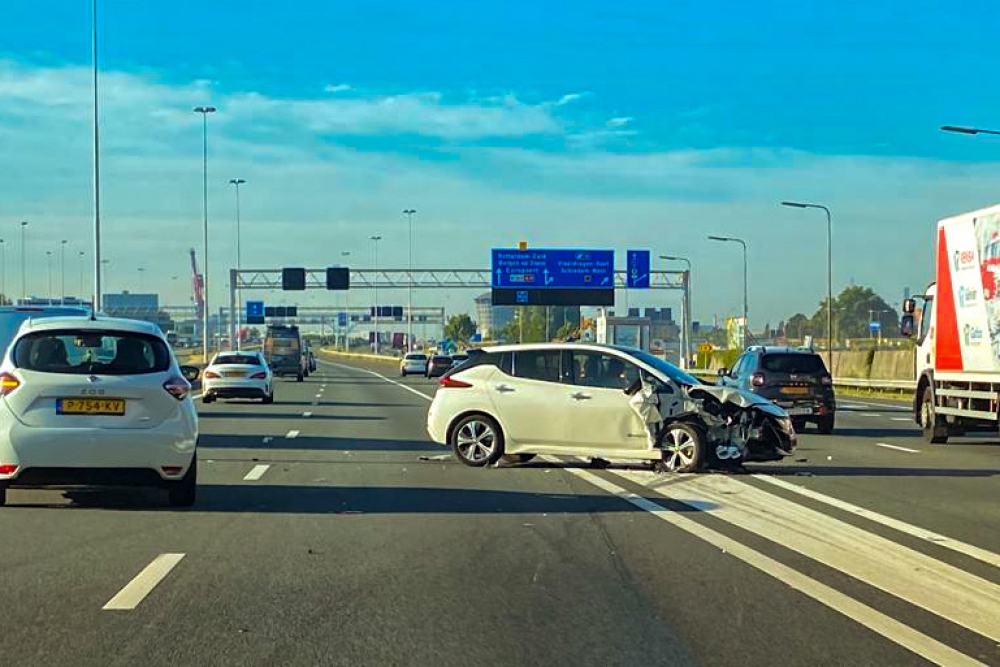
[
  {"x": 504, "y": 388},
  {"x": 580, "y": 396}
]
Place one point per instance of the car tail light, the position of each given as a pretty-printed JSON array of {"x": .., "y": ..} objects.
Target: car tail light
[
  {"x": 8, "y": 468},
  {"x": 177, "y": 387},
  {"x": 211, "y": 374},
  {"x": 8, "y": 383},
  {"x": 452, "y": 383},
  {"x": 757, "y": 380},
  {"x": 260, "y": 375},
  {"x": 826, "y": 381}
]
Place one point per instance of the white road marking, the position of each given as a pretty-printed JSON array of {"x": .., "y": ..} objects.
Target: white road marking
[
  {"x": 881, "y": 406},
  {"x": 143, "y": 583},
  {"x": 389, "y": 380},
  {"x": 902, "y": 419},
  {"x": 886, "y": 445},
  {"x": 319, "y": 396},
  {"x": 292, "y": 434},
  {"x": 256, "y": 473},
  {"x": 917, "y": 642},
  {"x": 901, "y": 526},
  {"x": 940, "y": 588},
  {"x": 869, "y": 414},
  {"x": 307, "y": 414}
]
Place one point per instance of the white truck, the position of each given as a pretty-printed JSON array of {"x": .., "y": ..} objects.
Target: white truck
[{"x": 958, "y": 330}]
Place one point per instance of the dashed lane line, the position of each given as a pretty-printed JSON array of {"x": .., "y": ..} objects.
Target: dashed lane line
[
  {"x": 886, "y": 445},
  {"x": 256, "y": 473},
  {"x": 143, "y": 584}
]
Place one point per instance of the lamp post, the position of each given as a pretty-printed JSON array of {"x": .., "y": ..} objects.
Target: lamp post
[
  {"x": 408, "y": 212},
  {"x": 82, "y": 254},
  {"x": 48, "y": 262},
  {"x": 236, "y": 183},
  {"x": 686, "y": 310},
  {"x": 375, "y": 240},
  {"x": 347, "y": 303},
  {"x": 24, "y": 263},
  {"x": 97, "y": 177},
  {"x": 829, "y": 273},
  {"x": 204, "y": 111},
  {"x": 104, "y": 277},
  {"x": 746, "y": 309},
  {"x": 62, "y": 271}
]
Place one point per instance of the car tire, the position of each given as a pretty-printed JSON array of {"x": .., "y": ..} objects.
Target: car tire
[
  {"x": 477, "y": 441},
  {"x": 825, "y": 424},
  {"x": 799, "y": 425},
  {"x": 207, "y": 398},
  {"x": 182, "y": 493},
  {"x": 268, "y": 398},
  {"x": 514, "y": 459},
  {"x": 683, "y": 448},
  {"x": 299, "y": 377},
  {"x": 3, "y": 496},
  {"x": 934, "y": 429}
]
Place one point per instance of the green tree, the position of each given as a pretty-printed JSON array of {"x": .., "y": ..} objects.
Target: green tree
[
  {"x": 568, "y": 330},
  {"x": 798, "y": 326},
  {"x": 854, "y": 308},
  {"x": 528, "y": 325},
  {"x": 460, "y": 328}
]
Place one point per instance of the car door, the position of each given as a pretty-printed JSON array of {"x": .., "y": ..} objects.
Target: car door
[
  {"x": 598, "y": 414},
  {"x": 528, "y": 398},
  {"x": 735, "y": 375}
]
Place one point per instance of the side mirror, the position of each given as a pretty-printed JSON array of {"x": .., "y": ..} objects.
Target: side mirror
[
  {"x": 190, "y": 373},
  {"x": 909, "y": 305},
  {"x": 907, "y": 326},
  {"x": 723, "y": 372}
]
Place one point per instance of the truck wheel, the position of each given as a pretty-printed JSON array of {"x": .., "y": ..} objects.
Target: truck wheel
[{"x": 934, "y": 429}]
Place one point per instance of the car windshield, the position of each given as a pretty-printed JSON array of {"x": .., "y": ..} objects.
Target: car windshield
[
  {"x": 241, "y": 359},
  {"x": 665, "y": 367},
  {"x": 416, "y": 357},
  {"x": 91, "y": 352},
  {"x": 792, "y": 363}
]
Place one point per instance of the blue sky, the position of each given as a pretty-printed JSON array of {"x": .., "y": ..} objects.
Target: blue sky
[{"x": 649, "y": 124}]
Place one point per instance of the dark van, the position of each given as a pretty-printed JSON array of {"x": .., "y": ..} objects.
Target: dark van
[{"x": 283, "y": 350}]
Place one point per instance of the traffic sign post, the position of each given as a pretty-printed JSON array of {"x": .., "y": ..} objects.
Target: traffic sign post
[
  {"x": 637, "y": 269},
  {"x": 255, "y": 312},
  {"x": 553, "y": 277}
]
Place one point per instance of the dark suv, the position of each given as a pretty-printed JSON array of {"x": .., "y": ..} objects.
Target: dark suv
[{"x": 796, "y": 379}]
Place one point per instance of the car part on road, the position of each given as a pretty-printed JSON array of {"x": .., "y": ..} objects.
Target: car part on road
[{"x": 477, "y": 441}]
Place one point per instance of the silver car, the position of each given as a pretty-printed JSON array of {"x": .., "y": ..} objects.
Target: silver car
[{"x": 414, "y": 362}]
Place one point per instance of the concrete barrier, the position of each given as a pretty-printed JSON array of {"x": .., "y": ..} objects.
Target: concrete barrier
[
  {"x": 893, "y": 365},
  {"x": 336, "y": 354}
]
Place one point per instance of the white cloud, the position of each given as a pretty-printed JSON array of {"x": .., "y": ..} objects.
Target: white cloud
[
  {"x": 338, "y": 88},
  {"x": 570, "y": 97},
  {"x": 620, "y": 121}
]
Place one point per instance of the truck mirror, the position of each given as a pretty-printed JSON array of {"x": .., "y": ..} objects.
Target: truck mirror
[
  {"x": 909, "y": 305},
  {"x": 907, "y": 325}
]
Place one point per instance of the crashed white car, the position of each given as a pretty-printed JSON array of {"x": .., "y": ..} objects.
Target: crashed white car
[{"x": 599, "y": 401}]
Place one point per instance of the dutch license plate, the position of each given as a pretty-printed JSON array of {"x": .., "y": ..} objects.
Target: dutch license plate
[
  {"x": 795, "y": 390},
  {"x": 90, "y": 406},
  {"x": 799, "y": 411},
  {"x": 233, "y": 374}
]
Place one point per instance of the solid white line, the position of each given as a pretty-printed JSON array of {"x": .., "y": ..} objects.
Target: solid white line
[
  {"x": 901, "y": 526},
  {"x": 307, "y": 414},
  {"x": 389, "y": 380},
  {"x": 902, "y": 419},
  {"x": 256, "y": 473},
  {"x": 897, "y": 448},
  {"x": 143, "y": 583},
  {"x": 869, "y": 414},
  {"x": 917, "y": 642},
  {"x": 942, "y": 589},
  {"x": 292, "y": 434}
]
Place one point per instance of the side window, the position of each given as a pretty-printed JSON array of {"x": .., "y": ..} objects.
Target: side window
[
  {"x": 749, "y": 363},
  {"x": 537, "y": 365},
  {"x": 595, "y": 369},
  {"x": 925, "y": 321},
  {"x": 737, "y": 366}
]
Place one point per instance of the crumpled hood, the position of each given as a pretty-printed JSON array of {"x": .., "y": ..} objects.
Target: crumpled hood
[{"x": 738, "y": 397}]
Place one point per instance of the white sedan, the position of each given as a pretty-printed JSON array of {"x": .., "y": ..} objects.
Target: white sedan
[
  {"x": 237, "y": 375},
  {"x": 94, "y": 402}
]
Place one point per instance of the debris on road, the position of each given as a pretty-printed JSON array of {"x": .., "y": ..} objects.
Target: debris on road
[{"x": 439, "y": 457}]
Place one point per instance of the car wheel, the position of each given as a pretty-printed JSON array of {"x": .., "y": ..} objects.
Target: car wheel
[
  {"x": 934, "y": 429},
  {"x": 269, "y": 397},
  {"x": 477, "y": 441},
  {"x": 825, "y": 424},
  {"x": 182, "y": 493},
  {"x": 207, "y": 398},
  {"x": 517, "y": 458},
  {"x": 683, "y": 448},
  {"x": 799, "y": 425},
  {"x": 3, "y": 496},
  {"x": 299, "y": 377}
]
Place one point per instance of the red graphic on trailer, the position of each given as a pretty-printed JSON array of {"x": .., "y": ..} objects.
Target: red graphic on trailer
[{"x": 948, "y": 352}]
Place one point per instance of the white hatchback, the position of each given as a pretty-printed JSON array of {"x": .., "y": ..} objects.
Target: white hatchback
[
  {"x": 96, "y": 402},
  {"x": 601, "y": 402},
  {"x": 413, "y": 363},
  {"x": 237, "y": 375}
]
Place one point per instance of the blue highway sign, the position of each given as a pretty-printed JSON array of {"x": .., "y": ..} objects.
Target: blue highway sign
[
  {"x": 255, "y": 312},
  {"x": 553, "y": 269},
  {"x": 637, "y": 269}
]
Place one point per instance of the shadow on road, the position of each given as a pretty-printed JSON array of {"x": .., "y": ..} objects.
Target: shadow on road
[
  {"x": 287, "y": 415},
  {"x": 279, "y": 443},
  {"x": 868, "y": 471}
]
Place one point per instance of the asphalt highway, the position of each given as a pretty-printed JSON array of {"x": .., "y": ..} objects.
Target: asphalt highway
[{"x": 330, "y": 531}]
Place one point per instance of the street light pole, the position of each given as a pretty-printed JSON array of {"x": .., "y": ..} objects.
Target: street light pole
[
  {"x": 375, "y": 240},
  {"x": 81, "y": 274},
  {"x": 204, "y": 111},
  {"x": 237, "y": 182},
  {"x": 24, "y": 264},
  {"x": 48, "y": 261},
  {"x": 685, "y": 308},
  {"x": 97, "y": 180},
  {"x": 104, "y": 278},
  {"x": 409, "y": 288},
  {"x": 746, "y": 309},
  {"x": 347, "y": 303},
  {"x": 62, "y": 271},
  {"x": 829, "y": 274}
]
